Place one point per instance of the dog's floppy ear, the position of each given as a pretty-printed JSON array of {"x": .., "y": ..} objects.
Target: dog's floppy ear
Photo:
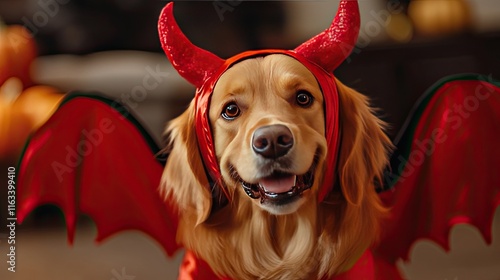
[
  {"x": 184, "y": 177},
  {"x": 364, "y": 145}
]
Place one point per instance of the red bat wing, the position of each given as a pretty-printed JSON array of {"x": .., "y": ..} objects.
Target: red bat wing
[
  {"x": 445, "y": 170},
  {"x": 92, "y": 157}
]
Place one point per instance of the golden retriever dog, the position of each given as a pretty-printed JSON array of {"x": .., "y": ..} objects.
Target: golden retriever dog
[
  {"x": 275, "y": 99},
  {"x": 267, "y": 121}
]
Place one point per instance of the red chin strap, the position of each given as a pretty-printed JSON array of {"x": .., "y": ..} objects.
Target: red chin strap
[{"x": 321, "y": 55}]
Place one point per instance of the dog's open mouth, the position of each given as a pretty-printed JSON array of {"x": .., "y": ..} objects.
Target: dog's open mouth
[{"x": 279, "y": 187}]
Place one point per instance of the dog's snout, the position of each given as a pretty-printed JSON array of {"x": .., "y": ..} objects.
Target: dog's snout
[{"x": 272, "y": 141}]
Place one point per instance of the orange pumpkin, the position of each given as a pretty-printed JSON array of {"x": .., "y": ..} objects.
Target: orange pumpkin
[
  {"x": 439, "y": 17},
  {"x": 21, "y": 113},
  {"x": 23, "y": 107},
  {"x": 17, "y": 53},
  {"x": 400, "y": 28},
  {"x": 38, "y": 103}
]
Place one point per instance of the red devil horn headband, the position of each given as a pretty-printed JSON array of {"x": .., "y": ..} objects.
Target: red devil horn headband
[
  {"x": 332, "y": 46},
  {"x": 194, "y": 64},
  {"x": 327, "y": 49}
]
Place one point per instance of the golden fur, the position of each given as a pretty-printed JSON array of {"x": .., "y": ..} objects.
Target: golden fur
[{"x": 303, "y": 240}]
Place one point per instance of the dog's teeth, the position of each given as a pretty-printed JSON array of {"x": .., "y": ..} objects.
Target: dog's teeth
[{"x": 295, "y": 181}]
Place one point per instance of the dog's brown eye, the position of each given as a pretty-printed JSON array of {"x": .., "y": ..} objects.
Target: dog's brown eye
[
  {"x": 304, "y": 98},
  {"x": 231, "y": 111}
]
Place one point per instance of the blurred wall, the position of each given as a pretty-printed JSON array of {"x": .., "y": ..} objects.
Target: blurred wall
[{"x": 85, "y": 26}]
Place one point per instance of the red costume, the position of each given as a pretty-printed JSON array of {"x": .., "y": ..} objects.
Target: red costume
[{"x": 91, "y": 144}]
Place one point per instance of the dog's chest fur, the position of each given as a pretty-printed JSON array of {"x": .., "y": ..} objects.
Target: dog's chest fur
[{"x": 249, "y": 243}]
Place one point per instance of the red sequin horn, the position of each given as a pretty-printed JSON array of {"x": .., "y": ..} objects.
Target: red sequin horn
[{"x": 327, "y": 49}]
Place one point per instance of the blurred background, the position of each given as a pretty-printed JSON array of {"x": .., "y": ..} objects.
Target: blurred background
[{"x": 51, "y": 47}]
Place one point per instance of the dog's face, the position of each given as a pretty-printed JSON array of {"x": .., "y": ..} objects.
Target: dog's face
[
  {"x": 267, "y": 121},
  {"x": 268, "y": 129}
]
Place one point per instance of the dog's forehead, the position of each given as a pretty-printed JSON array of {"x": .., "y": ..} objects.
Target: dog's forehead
[
  {"x": 273, "y": 64},
  {"x": 276, "y": 70}
]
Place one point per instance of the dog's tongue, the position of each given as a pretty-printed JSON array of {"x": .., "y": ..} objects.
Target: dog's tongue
[{"x": 279, "y": 184}]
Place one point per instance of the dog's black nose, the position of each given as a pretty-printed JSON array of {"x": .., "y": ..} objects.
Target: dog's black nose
[{"x": 272, "y": 141}]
